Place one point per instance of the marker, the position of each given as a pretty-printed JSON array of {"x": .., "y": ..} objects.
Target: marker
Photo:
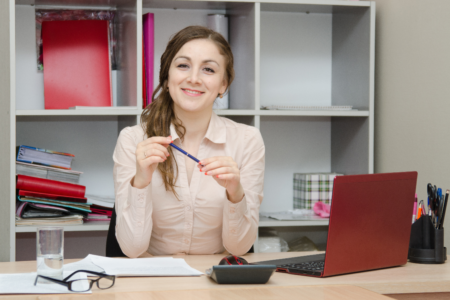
[
  {"x": 444, "y": 208},
  {"x": 414, "y": 211},
  {"x": 185, "y": 153}
]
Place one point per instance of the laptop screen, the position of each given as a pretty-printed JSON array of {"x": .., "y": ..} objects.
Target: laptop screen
[{"x": 370, "y": 222}]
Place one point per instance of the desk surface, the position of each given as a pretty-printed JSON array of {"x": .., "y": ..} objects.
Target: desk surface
[
  {"x": 410, "y": 278},
  {"x": 339, "y": 292}
]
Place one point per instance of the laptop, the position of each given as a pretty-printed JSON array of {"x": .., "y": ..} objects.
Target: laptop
[{"x": 369, "y": 228}]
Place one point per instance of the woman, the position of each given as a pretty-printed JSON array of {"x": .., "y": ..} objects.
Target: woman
[{"x": 165, "y": 202}]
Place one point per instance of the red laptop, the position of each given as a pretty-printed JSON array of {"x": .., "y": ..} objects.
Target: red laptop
[{"x": 370, "y": 226}]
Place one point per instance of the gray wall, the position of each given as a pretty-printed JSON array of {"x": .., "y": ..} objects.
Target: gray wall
[{"x": 412, "y": 93}]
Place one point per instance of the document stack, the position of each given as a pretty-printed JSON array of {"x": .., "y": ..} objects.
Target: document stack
[
  {"x": 46, "y": 172},
  {"x": 101, "y": 208},
  {"x": 49, "y": 202}
]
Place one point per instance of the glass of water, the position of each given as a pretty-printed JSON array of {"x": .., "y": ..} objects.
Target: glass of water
[{"x": 50, "y": 251}]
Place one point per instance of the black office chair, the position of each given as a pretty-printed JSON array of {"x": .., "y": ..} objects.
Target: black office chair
[{"x": 112, "y": 246}]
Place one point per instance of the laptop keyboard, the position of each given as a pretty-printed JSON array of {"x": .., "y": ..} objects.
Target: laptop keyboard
[{"x": 309, "y": 266}]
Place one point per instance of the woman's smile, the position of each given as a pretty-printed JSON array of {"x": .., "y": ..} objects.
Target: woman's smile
[{"x": 192, "y": 93}]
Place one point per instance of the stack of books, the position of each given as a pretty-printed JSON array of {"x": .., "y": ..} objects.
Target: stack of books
[
  {"x": 46, "y": 172},
  {"x": 45, "y": 201}
]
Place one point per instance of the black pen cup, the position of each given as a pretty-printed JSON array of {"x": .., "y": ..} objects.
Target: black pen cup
[{"x": 426, "y": 245}]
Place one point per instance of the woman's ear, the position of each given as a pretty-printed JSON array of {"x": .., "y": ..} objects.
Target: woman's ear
[{"x": 224, "y": 87}]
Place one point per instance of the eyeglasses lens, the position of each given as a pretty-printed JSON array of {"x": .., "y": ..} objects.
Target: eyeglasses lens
[
  {"x": 105, "y": 282},
  {"x": 81, "y": 285}
]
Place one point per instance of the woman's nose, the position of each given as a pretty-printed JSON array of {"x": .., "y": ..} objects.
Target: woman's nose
[{"x": 194, "y": 78}]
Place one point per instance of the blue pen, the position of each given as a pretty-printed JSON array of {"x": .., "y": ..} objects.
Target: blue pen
[{"x": 185, "y": 153}]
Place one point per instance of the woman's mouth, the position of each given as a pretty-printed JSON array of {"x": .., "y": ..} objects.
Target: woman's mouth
[{"x": 192, "y": 93}]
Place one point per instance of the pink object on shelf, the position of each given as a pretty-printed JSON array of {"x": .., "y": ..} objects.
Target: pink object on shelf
[
  {"x": 77, "y": 64},
  {"x": 322, "y": 209},
  {"x": 149, "y": 52}
]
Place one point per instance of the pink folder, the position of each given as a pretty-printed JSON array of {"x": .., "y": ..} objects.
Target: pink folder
[{"x": 149, "y": 52}]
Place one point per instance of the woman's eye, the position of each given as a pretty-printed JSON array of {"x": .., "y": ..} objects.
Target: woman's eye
[
  {"x": 183, "y": 66},
  {"x": 209, "y": 70}
]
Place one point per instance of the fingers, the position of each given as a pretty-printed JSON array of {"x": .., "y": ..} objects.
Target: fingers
[
  {"x": 155, "y": 153},
  {"x": 219, "y": 167},
  {"x": 165, "y": 141},
  {"x": 220, "y": 172},
  {"x": 213, "y": 163},
  {"x": 146, "y": 150}
]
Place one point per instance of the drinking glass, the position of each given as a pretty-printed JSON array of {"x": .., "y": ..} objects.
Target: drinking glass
[{"x": 50, "y": 251}]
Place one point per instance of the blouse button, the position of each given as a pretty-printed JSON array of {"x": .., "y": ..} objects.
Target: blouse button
[
  {"x": 232, "y": 210},
  {"x": 188, "y": 208},
  {"x": 139, "y": 224}
]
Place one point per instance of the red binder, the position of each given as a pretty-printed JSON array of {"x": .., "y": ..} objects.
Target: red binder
[
  {"x": 51, "y": 196},
  {"x": 77, "y": 64},
  {"x": 48, "y": 186}
]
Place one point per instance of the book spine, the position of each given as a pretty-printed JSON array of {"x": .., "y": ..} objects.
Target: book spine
[
  {"x": 144, "y": 78},
  {"x": 42, "y": 185},
  {"x": 42, "y": 164},
  {"x": 21, "y": 147},
  {"x": 149, "y": 49}
]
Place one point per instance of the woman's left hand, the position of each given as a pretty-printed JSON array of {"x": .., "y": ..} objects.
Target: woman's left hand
[{"x": 225, "y": 171}]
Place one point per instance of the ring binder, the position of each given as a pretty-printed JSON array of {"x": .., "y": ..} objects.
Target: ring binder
[{"x": 426, "y": 244}]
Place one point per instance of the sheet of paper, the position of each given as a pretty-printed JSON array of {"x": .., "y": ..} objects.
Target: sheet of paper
[
  {"x": 23, "y": 283},
  {"x": 84, "y": 264},
  {"x": 154, "y": 266}
]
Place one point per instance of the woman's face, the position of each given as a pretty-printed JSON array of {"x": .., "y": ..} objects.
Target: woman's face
[{"x": 197, "y": 76}]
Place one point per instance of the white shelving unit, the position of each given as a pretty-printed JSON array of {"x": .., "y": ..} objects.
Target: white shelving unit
[
  {"x": 268, "y": 222},
  {"x": 290, "y": 52},
  {"x": 87, "y": 226}
]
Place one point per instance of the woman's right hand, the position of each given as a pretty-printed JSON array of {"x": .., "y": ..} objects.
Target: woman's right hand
[{"x": 148, "y": 154}]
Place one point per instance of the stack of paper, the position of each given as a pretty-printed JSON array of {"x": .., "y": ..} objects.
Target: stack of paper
[
  {"x": 23, "y": 283},
  {"x": 153, "y": 266}
]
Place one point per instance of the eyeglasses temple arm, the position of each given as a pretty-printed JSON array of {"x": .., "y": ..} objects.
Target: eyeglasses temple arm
[{"x": 50, "y": 279}]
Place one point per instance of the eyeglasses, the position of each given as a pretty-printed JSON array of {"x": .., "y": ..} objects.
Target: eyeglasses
[{"x": 104, "y": 281}]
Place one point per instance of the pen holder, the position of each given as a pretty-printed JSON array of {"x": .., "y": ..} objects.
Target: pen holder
[{"x": 426, "y": 244}]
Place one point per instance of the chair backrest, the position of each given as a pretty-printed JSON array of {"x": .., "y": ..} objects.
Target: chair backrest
[{"x": 112, "y": 246}]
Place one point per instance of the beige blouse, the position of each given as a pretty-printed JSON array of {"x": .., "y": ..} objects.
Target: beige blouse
[{"x": 202, "y": 220}]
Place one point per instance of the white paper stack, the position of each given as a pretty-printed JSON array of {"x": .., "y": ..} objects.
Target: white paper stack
[
  {"x": 23, "y": 283},
  {"x": 104, "y": 201},
  {"x": 153, "y": 266}
]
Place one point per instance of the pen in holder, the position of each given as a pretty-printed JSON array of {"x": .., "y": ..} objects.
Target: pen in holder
[{"x": 426, "y": 244}]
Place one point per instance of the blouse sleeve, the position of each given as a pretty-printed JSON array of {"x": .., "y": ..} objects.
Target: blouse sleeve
[
  {"x": 133, "y": 206},
  {"x": 240, "y": 220}
]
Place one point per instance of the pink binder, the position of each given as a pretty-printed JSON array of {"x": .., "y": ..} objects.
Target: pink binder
[{"x": 149, "y": 52}]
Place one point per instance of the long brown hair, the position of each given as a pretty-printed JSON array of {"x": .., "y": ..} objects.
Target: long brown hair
[{"x": 157, "y": 117}]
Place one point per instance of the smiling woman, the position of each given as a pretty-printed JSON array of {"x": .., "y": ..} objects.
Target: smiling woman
[{"x": 162, "y": 205}]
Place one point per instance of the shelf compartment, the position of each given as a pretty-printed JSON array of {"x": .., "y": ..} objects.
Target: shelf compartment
[
  {"x": 172, "y": 16},
  {"x": 91, "y": 139},
  {"x": 310, "y": 144},
  {"x": 316, "y": 54},
  {"x": 30, "y": 82}
]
